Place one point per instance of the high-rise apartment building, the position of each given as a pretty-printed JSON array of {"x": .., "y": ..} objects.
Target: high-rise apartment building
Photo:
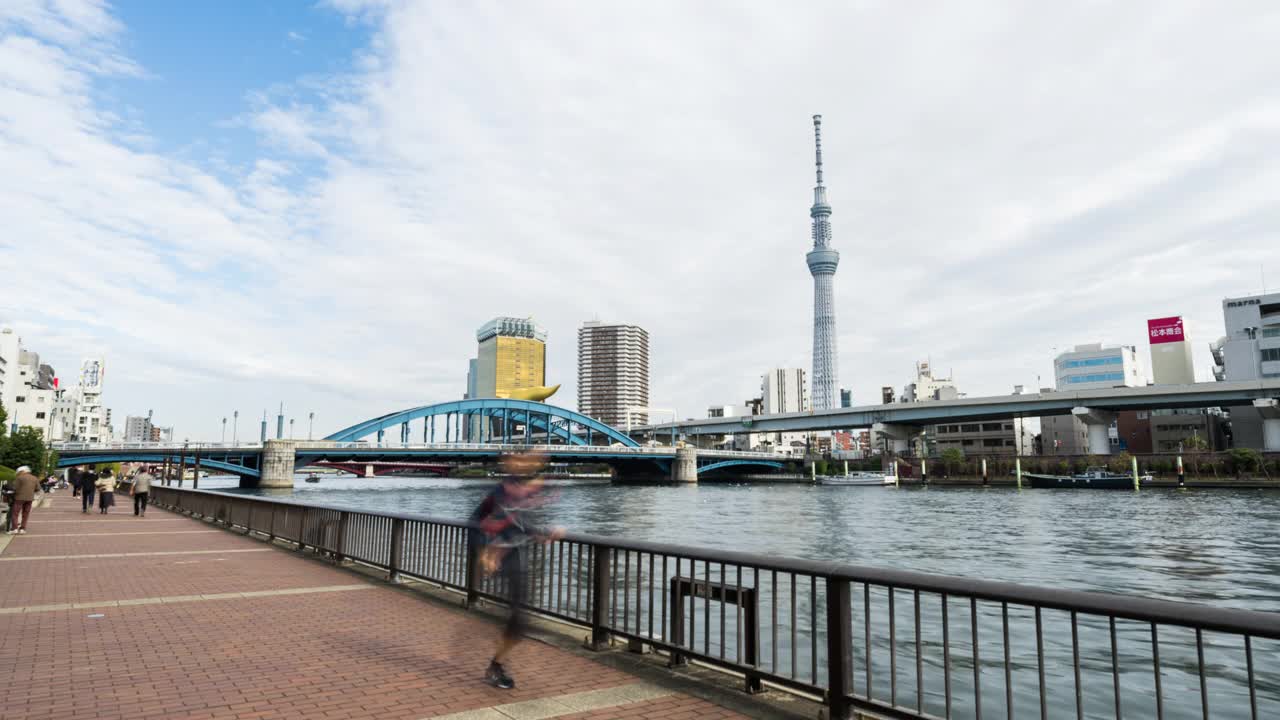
[
  {"x": 613, "y": 372},
  {"x": 137, "y": 429}
]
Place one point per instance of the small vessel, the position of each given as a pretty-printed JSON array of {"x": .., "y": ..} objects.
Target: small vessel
[
  {"x": 1094, "y": 478},
  {"x": 313, "y": 478},
  {"x": 858, "y": 478}
]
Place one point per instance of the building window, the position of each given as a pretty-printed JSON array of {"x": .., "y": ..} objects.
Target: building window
[
  {"x": 969, "y": 428},
  {"x": 1096, "y": 377},
  {"x": 20, "y": 398},
  {"x": 1268, "y": 332},
  {"x": 39, "y": 416},
  {"x": 1094, "y": 362},
  {"x": 1268, "y": 355}
]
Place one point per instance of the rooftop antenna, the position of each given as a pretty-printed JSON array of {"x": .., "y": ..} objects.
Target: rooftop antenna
[{"x": 817, "y": 143}]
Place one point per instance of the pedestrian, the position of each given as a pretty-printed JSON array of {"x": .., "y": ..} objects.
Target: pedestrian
[
  {"x": 141, "y": 490},
  {"x": 25, "y": 486},
  {"x": 74, "y": 473},
  {"x": 7, "y": 493},
  {"x": 88, "y": 485},
  {"x": 106, "y": 486},
  {"x": 502, "y": 534}
]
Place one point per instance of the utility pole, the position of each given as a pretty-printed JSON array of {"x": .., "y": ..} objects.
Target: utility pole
[
  {"x": 311, "y": 421},
  {"x": 224, "y": 431},
  {"x": 290, "y": 428},
  {"x": 235, "y": 422}
]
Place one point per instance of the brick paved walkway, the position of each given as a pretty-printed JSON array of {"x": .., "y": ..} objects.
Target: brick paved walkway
[{"x": 192, "y": 624}]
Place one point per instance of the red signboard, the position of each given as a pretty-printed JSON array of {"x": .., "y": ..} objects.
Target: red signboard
[{"x": 1165, "y": 330}]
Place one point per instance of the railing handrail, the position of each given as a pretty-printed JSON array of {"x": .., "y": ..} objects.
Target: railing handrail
[
  {"x": 1168, "y": 612},
  {"x": 322, "y": 445}
]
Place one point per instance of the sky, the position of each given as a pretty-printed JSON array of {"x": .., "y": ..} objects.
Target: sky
[{"x": 243, "y": 204}]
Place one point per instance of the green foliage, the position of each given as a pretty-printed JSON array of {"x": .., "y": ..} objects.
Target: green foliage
[
  {"x": 951, "y": 457},
  {"x": 1245, "y": 460},
  {"x": 1121, "y": 463},
  {"x": 25, "y": 447},
  {"x": 6, "y": 474},
  {"x": 4, "y": 422},
  {"x": 1195, "y": 443}
]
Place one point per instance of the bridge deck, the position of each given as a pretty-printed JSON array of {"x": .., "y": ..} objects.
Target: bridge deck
[{"x": 196, "y": 622}]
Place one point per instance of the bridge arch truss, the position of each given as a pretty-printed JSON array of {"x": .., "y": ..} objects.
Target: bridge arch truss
[{"x": 490, "y": 420}]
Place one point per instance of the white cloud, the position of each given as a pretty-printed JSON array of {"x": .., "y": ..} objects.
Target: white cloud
[{"x": 1006, "y": 178}]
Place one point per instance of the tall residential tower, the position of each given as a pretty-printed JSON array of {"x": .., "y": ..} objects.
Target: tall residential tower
[
  {"x": 613, "y": 372},
  {"x": 822, "y": 262}
]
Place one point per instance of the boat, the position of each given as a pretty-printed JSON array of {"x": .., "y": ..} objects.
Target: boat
[
  {"x": 313, "y": 478},
  {"x": 861, "y": 478},
  {"x": 1094, "y": 478}
]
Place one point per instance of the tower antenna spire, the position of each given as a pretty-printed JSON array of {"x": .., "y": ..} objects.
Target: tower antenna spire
[{"x": 817, "y": 144}]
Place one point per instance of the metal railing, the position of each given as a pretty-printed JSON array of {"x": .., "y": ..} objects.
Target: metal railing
[
  {"x": 305, "y": 445},
  {"x": 894, "y": 643}
]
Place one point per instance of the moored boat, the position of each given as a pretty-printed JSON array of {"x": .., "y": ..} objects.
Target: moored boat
[{"x": 1094, "y": 478}]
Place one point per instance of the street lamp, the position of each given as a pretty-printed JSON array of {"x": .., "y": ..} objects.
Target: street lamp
[
  {"x": 224, "y": 431},
  {"x": 235, "y": 422},
  {"x": 290, "y": 428},
  {"x": 311, "y": 421}
]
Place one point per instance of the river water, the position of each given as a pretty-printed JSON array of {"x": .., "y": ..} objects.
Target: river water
[{"x": 1219, "y": 547}]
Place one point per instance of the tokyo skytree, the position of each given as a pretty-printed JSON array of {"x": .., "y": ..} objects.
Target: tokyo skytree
[{"x": 822, "y": 260}]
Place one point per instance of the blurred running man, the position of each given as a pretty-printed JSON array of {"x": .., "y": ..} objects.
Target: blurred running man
[{"x": 503, "y": 536}]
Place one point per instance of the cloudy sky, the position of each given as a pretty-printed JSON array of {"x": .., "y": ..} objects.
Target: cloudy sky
[{"x": 241, "y": 205}]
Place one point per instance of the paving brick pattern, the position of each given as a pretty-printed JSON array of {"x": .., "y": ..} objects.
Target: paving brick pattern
[{"x": 378, "y": 653}]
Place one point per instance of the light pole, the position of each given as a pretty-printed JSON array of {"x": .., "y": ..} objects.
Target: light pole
[
  {"x": 224, "y": 431},
  {"x": 235, "y": 422},
  {"x": 311, "y": 421},
  {"x": 290, "y": 428}
]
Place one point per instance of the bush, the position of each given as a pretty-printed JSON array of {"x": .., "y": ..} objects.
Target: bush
[
  {"x": 1245, "y": 460},
  {"x": 6, "y": 474}
]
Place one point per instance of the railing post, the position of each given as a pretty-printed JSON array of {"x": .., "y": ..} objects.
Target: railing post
[
  {"x": 397, "y": 541},
  {"x": 839, "y": 648},
  {"x": 600, "y": 583},
  {"x": 271, "y": 526},
  {"x": 343, "y": 518},
  {"x": 473, "y": 568},
  {"x": 302, "y": 529}
]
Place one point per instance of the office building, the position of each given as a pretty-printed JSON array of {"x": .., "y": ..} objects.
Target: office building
[
  {"x": 613, "y": 372},
  {"x": 784, "y": 390},
  {"x": 1171, "y": 362},
  {"x": 1250, "y": 350},
  {"x": 1088, "y": 367},
  {"x": 927, "y": 387},
  {"x": 512, "y": 355},
  {"x": 886, "y": 395},
  {"x": 1095, "y": 366}
]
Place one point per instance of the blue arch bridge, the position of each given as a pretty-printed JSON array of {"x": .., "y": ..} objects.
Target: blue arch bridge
[{"x": 450, "y": 432}]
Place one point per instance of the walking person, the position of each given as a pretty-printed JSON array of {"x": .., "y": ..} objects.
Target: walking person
[
  {"x": 25, "y": 486},
  {"x": 88, "y": 485},
  {"x": 74, "y": 473},
  {"x": 140, "y": 491},
  {"x": 106, "y": 486},
  {"x": 7, "y": 493},
  {"x": 503, "y": 534}
]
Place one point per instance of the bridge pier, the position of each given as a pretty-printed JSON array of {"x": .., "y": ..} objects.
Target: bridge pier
[
  {"x": 684, "y": 469},
  {"x": 1269, "y": 409},
  {"x": 899, "y": 435},
  {"x": 1098, "y": 422},
  {"x": 277, "y": 464}
]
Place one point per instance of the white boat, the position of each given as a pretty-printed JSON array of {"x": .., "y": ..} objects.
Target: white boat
[{"x": 860, "y": 478}]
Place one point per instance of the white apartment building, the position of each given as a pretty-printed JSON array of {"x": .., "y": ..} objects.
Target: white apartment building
[
  {"x": 613, "y": 372},
  {"x": 784, "y": 390},
  {"x": 1250, "y": 351},
  {"x": 92, "y": 419}
]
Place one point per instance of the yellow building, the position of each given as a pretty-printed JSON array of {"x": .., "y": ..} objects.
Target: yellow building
[{"x": 512, "y": 356}]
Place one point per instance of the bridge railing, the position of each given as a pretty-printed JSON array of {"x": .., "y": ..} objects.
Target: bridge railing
[
  {"x": 889, "y": 642},
  {"x": 320, "y": 445}
]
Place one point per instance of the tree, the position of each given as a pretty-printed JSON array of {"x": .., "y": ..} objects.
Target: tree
[
  {"x": 1245, "y": 460},
  {"x": 4, "y": 421},
  {"x": 952, "y": 457},
  {"x": 25, "y": 447}
]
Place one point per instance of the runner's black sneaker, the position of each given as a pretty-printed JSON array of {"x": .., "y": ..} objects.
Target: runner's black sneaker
[{"x": 497, "y": 676}]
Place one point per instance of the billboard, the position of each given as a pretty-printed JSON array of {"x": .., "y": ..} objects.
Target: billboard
[
  {"x": 91, "y": 374},
  {"x": 1165, "y": 330}
]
